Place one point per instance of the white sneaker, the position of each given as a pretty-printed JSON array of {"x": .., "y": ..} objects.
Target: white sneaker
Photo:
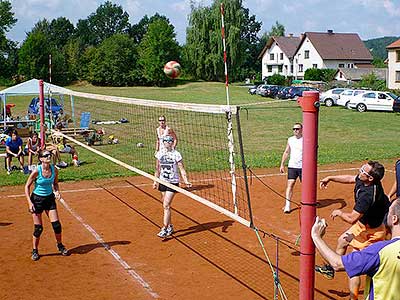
[
  {"x": 286, "y": 210},
  {"x": 162, "y": 233},
  {"x": 170, "y": 229}
]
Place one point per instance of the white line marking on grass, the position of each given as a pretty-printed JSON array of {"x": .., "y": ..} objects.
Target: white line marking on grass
[{"x": 116, "y": 256}]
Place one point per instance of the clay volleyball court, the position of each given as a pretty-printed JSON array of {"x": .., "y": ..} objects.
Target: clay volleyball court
[{"x": 110, "y": 227}]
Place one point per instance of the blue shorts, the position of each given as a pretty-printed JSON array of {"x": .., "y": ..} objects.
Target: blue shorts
[{"x": 293, "y": 173}]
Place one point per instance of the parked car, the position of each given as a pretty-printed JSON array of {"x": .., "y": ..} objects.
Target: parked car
[
  {"x": 396, "y": 104},
  {"x": 52, "y": 103},
  {"x": 347, "y": 95},
  {"x": 284, "y": 93},
  {"x": 330, "y": 97},
  {"x": 297, "y": 91},
  {"x": 252, "y": 90},
  {"x": 261, "y": 89},
  {"x": 373, "y": 100},
  {"x": 271, "y": 91}
]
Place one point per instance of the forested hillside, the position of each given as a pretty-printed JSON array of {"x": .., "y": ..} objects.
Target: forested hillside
[{"x": 377, "y": 46}]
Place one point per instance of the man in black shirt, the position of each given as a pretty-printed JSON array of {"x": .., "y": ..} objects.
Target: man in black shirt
[{"x": 366, "y": 218}]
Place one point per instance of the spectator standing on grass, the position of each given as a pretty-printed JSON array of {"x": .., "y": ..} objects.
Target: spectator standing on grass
[
  {"x": 42, "y": 198},
  {"x": 380, "y": 261},
  {"x": 14, "y": 149},
  {"x": 294, "y": 150},
  {"x": 167, "y": 165},
  {"x": 366, "y": 218},
  {"x": 395, "y": 190},
  {"x": 162, "y": 131},
  {"x": 32, "y": 148}
]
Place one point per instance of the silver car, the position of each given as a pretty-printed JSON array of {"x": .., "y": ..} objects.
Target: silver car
[{"x": 330, "y": 97}]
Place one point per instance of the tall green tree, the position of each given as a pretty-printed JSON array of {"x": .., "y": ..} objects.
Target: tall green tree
[
  {"x": 109, "y": 19},
  {"x": 61, "y": 31},
  {"x": 137, "y": 31},
  {"x": 114, "y": 61},
  {"x": 158, "y": 46},
  {"x": 7, "y": 47},
  {"x": 204, "y": 50}
]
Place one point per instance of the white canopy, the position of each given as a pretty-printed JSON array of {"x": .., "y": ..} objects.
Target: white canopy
[{"x": 31, "y": 87}]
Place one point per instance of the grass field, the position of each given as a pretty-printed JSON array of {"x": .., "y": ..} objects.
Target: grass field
[{"x": 344, "y": 135}]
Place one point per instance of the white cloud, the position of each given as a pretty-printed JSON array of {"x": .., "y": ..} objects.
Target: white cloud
[
  {"x": 134, "y": 9},
  {"x": 391, "y": 8}
]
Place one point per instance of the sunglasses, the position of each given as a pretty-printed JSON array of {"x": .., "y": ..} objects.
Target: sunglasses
[
  {"x": 364, "y": 172},
  {"x": 162, "y": 120},
  {"x": 295, "y": 128},
  {"x": 46, "y": 155},
  {"x": 168, "y": 140}
]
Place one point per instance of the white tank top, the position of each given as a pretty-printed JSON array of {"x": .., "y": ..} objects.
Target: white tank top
[{"x": 296, "y": 152}]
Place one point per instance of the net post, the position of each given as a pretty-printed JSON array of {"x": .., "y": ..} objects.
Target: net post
[
  {"x": 309, "y": 103},
  {"x": 244, "y": 166},
  {"x": 231, "y": 158}
]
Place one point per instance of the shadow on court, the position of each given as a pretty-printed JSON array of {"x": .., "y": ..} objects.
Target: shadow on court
[
  {"x": 83, "y": 249},
  {"x": 328, "y": 202},
  {"x": 203, "y": 227},
  {"x": 199, "y": 187},
  {"x": 5, "y": 223}
]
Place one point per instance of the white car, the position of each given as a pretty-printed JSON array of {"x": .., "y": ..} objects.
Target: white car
[
  {"x": 330, "y": 97},
  {"x": 373, "y": 100},
  {"x": 347, "y": 95}
]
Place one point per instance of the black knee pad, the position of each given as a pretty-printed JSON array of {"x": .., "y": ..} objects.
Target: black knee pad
[
  {"x": 38, "y": 230},
  {"x": 56, "y": 227}
]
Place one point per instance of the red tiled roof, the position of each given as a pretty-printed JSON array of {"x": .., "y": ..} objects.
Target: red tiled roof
[
  {"x": 395, "y": 44},
  {"x": 338, "y": 45},
  {"x": 288, "y": 45}
]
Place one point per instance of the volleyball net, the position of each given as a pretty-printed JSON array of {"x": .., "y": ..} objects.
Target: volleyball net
[{"x": 123, "y": 130}]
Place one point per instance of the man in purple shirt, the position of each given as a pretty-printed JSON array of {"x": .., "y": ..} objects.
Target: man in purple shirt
[{"x": 380, "y": 261}]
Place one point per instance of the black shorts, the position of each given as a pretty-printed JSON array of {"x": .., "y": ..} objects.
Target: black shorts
[
  {"x": 293, "y": 173},
  {"x": 42, "y": 203},
  {"x": 164, "y": 188},
  {"x": 16, "y": 152}
]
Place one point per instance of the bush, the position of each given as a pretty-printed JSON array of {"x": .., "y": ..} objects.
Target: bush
[{"x": 276, "y": 79}]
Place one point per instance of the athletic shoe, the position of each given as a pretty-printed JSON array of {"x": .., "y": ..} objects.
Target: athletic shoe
[
  {"x": 286, "y": 210},
  {"x": 35, "y": 255},
  {"x": 170, "y": 229},
  {"x": 326, "y": 270},
  {"x": 8, "y": 171},
  {"x": 76, "y": 162},
  {"x": 62, "y": 250},
  {"x": 62, "y": 164},
  {"x": 163, "y": 233}
]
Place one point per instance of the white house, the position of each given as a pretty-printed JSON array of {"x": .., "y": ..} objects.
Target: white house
[
  {"x": 277, "y": 55},
  {"x": 329, "y": 50},
  {"x": 393, "y": 81}
]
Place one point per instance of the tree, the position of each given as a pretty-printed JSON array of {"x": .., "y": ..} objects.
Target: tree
[
  {"x": 276, "y": 79},
  {"x": 7, "y": 47},
  {"x": 314, "y": 74},
  {"x": 114, "y": 61},
  {"x": 203, "y": 52},
  {"x": 328, "y": 75},
  {"x": 372, "y": 81},
  {"x": 137, "y": 31},
  {"x": 158, "y": 46},
  {"x": 109, "y": 19},
  {"x": 61, "y": 31}
]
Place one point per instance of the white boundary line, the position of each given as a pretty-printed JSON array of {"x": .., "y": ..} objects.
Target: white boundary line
[{"x": 116, "y": 256}]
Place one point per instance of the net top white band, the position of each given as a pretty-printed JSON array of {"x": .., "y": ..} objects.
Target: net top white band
[{"x": 216, "y": 109}]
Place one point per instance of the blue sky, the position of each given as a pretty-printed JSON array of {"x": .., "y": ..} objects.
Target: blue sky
[{"x": 368, "y": 18}]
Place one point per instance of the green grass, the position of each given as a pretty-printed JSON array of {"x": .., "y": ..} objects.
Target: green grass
[{"x": 344, "y": 135}]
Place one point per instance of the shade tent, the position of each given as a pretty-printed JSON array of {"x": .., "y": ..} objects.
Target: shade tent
[{"x": 31, "y": 87}]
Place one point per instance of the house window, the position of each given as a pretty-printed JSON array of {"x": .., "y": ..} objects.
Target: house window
[
  {"x": 269, "y": 69},
  {"x": 341, "y": 65},
  {"x": 271, "y": 56},
  {"x": 315, "y": 66},
  {"x": 291, "y": 69},
  {"x": 340, "y": 75},
  {"x": 281, "y": 56},
  {"x": 350, "y": 66},
  {"x": 397, "y": 55},
  {"x": 306, "y": 54},
  {"x": 280, "y": 69},
  {"x": 397, "y": 76},
  {"x": 300, "y": 68}
]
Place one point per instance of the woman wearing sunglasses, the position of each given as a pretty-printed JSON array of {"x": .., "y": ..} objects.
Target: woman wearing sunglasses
[
  {"x": 168, "y": 162},
  {"x": 42, "y": 198}
]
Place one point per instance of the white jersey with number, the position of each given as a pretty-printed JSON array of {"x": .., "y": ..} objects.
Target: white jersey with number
[
  {"x": 169, "y": 165},
  {"x": 296, "y": 152}
]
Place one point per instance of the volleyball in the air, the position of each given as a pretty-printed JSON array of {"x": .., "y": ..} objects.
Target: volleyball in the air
[{"x": 172, "y": 69}]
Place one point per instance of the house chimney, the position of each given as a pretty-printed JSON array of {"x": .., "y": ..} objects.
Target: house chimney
[
  {"x": 290, "y": 35},
  {"x": 330, "y": 31}
]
